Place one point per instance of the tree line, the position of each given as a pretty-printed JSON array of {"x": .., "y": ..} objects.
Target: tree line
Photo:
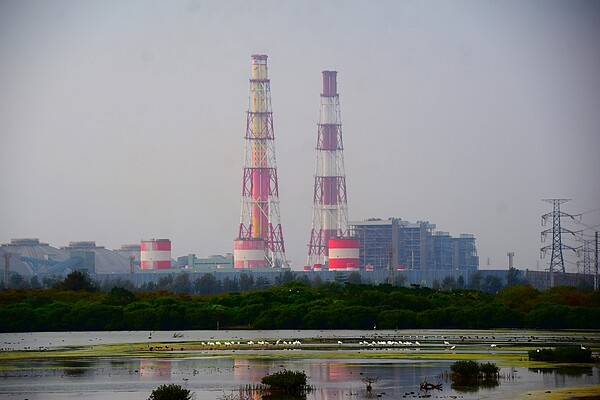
[
  {"x": 76, "y": 304},
  {"x": 181, "y": 282}
]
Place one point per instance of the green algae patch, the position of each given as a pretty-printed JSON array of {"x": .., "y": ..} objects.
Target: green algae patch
[{"x": 579, "y": 393}]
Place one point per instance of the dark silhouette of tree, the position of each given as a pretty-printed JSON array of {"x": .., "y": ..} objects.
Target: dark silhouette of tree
[
  {"x": 165, "y": 283},
  {"x": 78, "y": 281},
  {"x": 513, "y": 277},
  {"x": 119, "y": 296},
  {"x": 492, "y": 284},
  {"x": 182, "y": 283},
  {"x": 400, "y": 280},
  {"x": 246, "y": 282},
  {"x": 230, "y": 285},
  {"x": 261, "y": 283},
  {"x": 35, "y": 283},
  {"x": 354, "y": 278},
  {"x": 475, "y": 281},
  {"x": 448, "y": 283},
  {"x": 207, "y": 284}
]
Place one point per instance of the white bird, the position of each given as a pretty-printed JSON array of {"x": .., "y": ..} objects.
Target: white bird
[
  {"x": 446, "y": 343},
  {"x": 452, "y": 348},
  {"x": 417, "y": 343},
  {"x": 493, "y": 345},
  {"x": 583, "y": 347},
  {"x": 339, "y": 342}
]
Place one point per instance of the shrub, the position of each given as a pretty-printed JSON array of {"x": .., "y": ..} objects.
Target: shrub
[
  {"x": 170, "y": 392},
  {"x": 286, "y": 381},
  {"x": 473, "y": 372},
  {"x": 572, "y": 354},
  {"x": 465, "y": 370}
]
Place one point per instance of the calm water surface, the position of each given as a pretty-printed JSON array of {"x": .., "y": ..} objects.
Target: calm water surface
[{"x": 212, "y": 376}]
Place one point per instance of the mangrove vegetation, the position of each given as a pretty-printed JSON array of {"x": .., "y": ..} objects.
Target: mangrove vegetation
[{"x": 73, "y": 305}]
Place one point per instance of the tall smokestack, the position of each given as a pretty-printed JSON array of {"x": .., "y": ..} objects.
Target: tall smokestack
[
  {"x": 259, "y": 243},
  {"x": 330, "y": 207}
]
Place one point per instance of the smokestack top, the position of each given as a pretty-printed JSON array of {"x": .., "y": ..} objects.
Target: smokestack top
[
  {"x": 259, "y": 58},
  {"x": 329, "y": 83}
]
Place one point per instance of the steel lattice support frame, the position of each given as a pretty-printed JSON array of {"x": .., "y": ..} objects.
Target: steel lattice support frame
[
  {"x": 556, "y": 260},
  {"x": 260, "y": 217},
  {"x": 330, "y": 205}
]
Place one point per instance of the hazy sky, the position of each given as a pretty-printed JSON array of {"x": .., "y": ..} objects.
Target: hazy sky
[{"x": 124, "y": 120}]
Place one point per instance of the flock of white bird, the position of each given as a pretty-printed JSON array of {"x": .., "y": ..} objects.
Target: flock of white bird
[
  {"x": 296, "y": 343},
  {"x": 279, "y": 342}
]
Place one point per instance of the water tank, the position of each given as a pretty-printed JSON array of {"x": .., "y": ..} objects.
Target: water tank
[
  {"x": 343, "y": 254},
  {"x": 155, "y": 254},
  {"x": 249, "y": 253}
]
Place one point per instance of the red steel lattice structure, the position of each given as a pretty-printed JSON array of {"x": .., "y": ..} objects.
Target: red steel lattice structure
[
  {"x": 259, "y": 243},
  {"x": 330, "y": 206}
]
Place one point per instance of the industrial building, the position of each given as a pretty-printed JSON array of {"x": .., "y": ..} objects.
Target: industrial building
[
  {"x": 29, "y": 256},
  {"x": 412, "y": 246}
]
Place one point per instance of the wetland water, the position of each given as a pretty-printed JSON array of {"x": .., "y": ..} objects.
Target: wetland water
[{"x": 81, "y": 364}]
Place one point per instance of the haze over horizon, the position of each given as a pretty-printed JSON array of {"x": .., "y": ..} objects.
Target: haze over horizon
[{"x": 125, "y": 120}]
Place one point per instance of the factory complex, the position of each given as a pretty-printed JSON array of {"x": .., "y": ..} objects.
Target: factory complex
[{"x": 376, "y": 249}]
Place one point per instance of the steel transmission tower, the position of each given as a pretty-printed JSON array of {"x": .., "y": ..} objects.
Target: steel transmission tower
[
  {"x": 556, "y": 260},
  {"x": 586, "y": 262},
  {"x": 330, "y": 206},
  {"x": 260, "y": 238}
]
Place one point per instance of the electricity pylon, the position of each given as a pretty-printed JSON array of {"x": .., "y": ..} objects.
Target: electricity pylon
[{"x": 556, "y": 260}]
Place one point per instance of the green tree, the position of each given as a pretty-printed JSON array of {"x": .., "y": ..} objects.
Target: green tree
[{"x": 119, "y": 296}]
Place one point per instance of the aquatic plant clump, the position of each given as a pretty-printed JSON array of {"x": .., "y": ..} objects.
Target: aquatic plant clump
[
  {"x": 467, "y": 371},
  {"x": 293, "y": 382},
  {"x": 171, "y": 392}
]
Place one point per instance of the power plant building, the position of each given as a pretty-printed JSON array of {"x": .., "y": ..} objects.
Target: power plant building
[{"x": 413, "y": 246}]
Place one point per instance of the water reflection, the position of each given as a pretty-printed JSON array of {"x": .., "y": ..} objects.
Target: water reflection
[
  {"x": 133, "y": 378},
  {"x": 75, "y": 367},
  {"x": 568, "y": 371},
  {"x": 152, "y": 368}
]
